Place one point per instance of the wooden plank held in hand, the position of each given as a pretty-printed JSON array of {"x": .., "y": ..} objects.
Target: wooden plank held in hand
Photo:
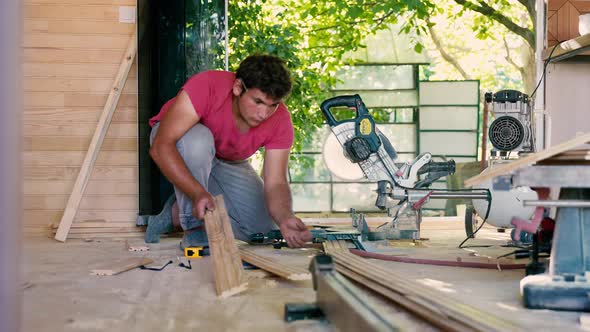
[
  {"x": 529, "y": 160},
  {"x": 99, "y": 134},
  {"x": 227, "y": 265}
]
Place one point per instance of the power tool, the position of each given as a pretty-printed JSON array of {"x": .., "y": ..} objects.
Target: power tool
[{"x": 402, "y": 188}]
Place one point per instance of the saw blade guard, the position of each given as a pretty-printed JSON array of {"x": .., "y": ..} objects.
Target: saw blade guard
[
  {"x": 365, "y": 141},
  {"x": 365, "y": 145}
]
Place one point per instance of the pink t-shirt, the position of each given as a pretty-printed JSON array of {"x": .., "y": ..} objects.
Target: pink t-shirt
[{"x": 211, "y": 95}]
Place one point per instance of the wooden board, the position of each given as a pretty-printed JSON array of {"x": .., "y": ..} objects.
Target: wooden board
[
  {"x": 99, "y": 134},
  {"x": 569, "y": 46},
  {"x": 88, "y": 202},
  {"x": 67, "y": 158},
  {"x": 427, "y": 303},
  {"x": 79, "y": 115},
  {"x": 528, "y": 160},
  {"x": 116, "y": 130},
  {"x": 273, "y": 266},
  {"x": 68, "y": 173},
  {"x": 127, "y": 264},
  {"x": 64, "y": 143},
  {"x": 227, "y": 265}
]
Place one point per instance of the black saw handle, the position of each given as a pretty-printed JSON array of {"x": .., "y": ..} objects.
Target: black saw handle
[{"x": 348, "y": 101}]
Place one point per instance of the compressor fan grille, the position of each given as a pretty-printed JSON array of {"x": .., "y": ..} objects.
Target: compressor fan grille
[{"x": 506, "y": 133}]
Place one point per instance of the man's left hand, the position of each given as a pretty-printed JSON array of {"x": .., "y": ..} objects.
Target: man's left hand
[{"x": 295, "y": 232}]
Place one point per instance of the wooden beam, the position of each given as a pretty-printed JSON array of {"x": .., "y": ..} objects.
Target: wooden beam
[
  {"x": 429, "y": 304},
  {"x": 121, "y": 266},
  {"x": 529, "y": 160},
  {"x": 99, "y": 134},
  {"x": 568, "y": 48},
  {"x": 274, "y": 267},
  {"x": 227, "y": 265}
]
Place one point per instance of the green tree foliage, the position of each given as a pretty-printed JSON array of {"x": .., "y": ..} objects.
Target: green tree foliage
[{"x": 313, "y": 36}]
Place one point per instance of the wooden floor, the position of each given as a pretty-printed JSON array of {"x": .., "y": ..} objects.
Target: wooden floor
[{"x": 59, "y": 294}]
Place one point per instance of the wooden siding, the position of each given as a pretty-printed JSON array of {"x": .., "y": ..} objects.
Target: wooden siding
[
  {"x": 563, "y": 18},
  {"x": 71, "y": 54}
]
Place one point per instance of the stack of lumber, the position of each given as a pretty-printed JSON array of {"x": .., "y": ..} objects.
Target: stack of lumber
[
  {"x": 428, "y": 304},
  {"x": 101, "y": 229}
]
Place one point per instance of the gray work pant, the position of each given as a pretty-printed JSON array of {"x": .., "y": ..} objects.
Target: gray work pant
[{"x": 241, "y": 187}]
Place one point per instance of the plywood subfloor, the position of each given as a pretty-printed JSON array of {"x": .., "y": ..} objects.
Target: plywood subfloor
[{"x": 61, "y": 295}]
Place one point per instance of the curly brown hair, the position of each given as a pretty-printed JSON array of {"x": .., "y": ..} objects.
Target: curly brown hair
[{"x": 267, "y": 73}]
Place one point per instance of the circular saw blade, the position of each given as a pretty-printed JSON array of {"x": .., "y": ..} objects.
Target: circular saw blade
[{"x": 337, "y": 163}]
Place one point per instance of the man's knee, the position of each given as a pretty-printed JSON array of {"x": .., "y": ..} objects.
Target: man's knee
[{"x": 197, "y": 146}]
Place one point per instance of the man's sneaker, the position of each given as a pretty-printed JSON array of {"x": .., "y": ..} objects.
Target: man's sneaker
[
  {"x": 194, "y": 238},
  {"x": 159, "y": 224}
]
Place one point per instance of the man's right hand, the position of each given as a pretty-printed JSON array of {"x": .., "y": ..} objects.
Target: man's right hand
[{"x": 201, "y": 203}]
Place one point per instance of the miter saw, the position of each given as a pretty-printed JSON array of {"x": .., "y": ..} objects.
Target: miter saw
[{"x": 402, "y": 188}]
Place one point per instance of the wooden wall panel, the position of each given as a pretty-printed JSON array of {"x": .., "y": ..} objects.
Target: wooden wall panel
[
  {"x": 79, "y": 114},
  {"x": 72, "y": 50},
  {"x": 70, "y": 172},
  {"x": 563, "y": 18}
]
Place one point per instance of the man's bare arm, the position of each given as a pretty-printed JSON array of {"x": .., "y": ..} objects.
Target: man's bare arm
[
  {"x": 279, "y": 200},
  {"x": 174, "y": 124}
]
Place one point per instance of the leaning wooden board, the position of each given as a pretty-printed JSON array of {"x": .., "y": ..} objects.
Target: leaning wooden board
[{"x": 528, "y": 160}]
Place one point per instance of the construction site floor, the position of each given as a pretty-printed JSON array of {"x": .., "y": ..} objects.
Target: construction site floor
[{"x": 59, "y": 294}]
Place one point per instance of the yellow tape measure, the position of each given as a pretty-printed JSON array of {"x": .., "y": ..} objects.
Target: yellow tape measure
[{"x": 194, "y": 252}]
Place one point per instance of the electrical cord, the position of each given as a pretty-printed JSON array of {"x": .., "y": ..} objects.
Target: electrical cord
[
  {"x": 544, "y": 69},
  {"x": 489, "y": 200}
]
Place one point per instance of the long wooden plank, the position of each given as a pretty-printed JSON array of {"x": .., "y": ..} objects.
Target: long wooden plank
[
  {"x": 90, "y": 85},
  {"x": 64, "y": 143},
  {"x": 75, "y": 70},
  {"x": 450, "y": 309},
  {"x": 112, "y": 269},
  {"x": 39, "y": 39},
  {"x": 528, "y": 160},
  {"x": 72, "y": 99},
  {"x": 100, "y": 133},
  {"x": 89, "y": 202},
  {"x": 227, "y": 265},
  {"x": 78, "y": 115},
  {"x": 84, "y": 129},
  {"x": 84, "y": 218},
  {"x": 273, "y": 266},
  {"x": 107, "y": 236},
  {"x": 68, "y": 158},
  {"x": 125, "y": 173},
  {"x": 84, "y": 2},
  {"x": 39, "y": 54},
  {"x": 431, "y": 315},
  {"x": 571, "y": 46},
  {"x": 77, "y": 26},
  {"x": 87, "y": 12},
  {"x": 110, "y": 187}
]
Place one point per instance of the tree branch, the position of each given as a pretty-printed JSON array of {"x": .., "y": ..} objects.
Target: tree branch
[
  {"x": 530, "y": 7},
  {"x": 446, "y": 56},
  {"x": 485, "y": 9},
  {"x": 509, "y": 58},
  {"x": 521, "y": 70}
]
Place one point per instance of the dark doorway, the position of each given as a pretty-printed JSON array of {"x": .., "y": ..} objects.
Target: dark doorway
[{"x": 176, "y": 40}]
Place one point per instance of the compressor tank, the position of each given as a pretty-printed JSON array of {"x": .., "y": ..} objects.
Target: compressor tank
[{"x": 505, "y": 204}]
